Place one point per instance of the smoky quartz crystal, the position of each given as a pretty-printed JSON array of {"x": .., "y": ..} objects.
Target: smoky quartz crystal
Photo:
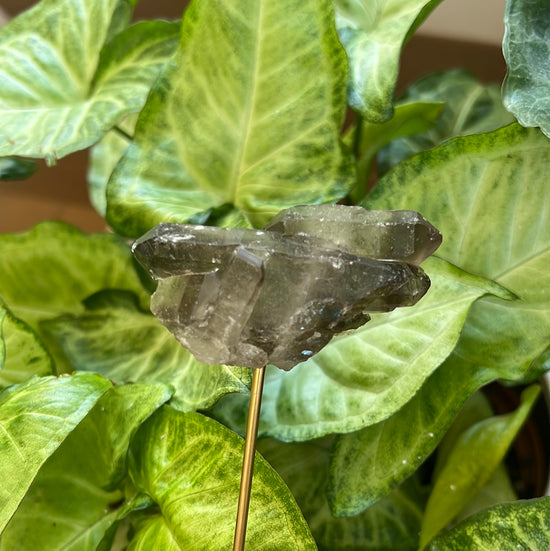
[{"x": 248, "y": 298}]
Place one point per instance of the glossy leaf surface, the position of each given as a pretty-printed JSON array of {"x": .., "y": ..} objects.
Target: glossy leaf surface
[
  {"x": 116, "y": 338},
  {"x": 66, "y": 81},
  {"x": 35, "y": 418},
  {"x": 472, "y": 461},
  {"x": 76, "y": 495},
  {"x": 247, "y": 113},
  {"x": 190, "y": 466},
  {"x": 373, "y": 33},
  {"x": 522, "y": 525},
  {"x": 367, "y": 375},
  {"x": 526, "y": 89}
]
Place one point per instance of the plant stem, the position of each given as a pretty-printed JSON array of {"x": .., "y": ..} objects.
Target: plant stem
[{"x": 248, "y": 457}]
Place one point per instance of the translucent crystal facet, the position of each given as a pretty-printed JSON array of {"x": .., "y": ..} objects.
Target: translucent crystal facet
[{"x": 248, "y": 298}]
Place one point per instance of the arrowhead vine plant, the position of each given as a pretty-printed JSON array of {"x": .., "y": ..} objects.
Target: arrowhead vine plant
[{"x": 112, "y": 436}]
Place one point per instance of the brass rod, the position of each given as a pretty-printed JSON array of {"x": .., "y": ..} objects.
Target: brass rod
[{"x": 248, "y": 457}]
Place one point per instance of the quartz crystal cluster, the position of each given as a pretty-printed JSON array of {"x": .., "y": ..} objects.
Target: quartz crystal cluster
[{"x": 248, "y": 298}]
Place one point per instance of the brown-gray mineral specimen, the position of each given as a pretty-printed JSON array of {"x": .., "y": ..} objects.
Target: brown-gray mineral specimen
[{"x": 248, "y": 298}]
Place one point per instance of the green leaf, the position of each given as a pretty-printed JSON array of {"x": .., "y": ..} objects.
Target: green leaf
[
  {"x": 51, "y": 269},
  {"x": 190, "y": 466},
  {"x": 480, "y": 191},
  {"x": 366, "y": 465},
  {"x": 366, "y": 375},
  {"x": 498, "y": 489},
  {"x": 367, "y": 137},
  {"x": 75, "y": 497},
  {"x": 494, "y": 345},
  {"x": 373, "y": 33},
  {"x": 526, "y": 89},
  {"x": 104, "y": 156},
  {"x": 470, "y": 108},
  {"x": 523, "y": 525},
  {"x": 471, "y": 463},
  {"x": 247, "y": 113},
  {"x": 487, "y": 194},
  {"x": 65, "y": 83},
  {"x": 391, "y": 524},
  {"x": 12, "y": 168},
  {"x": 153, "y": 532},
  {"x": 23, "y": 353},
  {"x": 35, "y": 417},
  {"x": 476, "y": 408},
  {"x": 116, "y": 338}
]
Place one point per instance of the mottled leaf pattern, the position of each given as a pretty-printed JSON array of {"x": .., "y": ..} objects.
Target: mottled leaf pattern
[
  {"x": 492, "y": 226},
  {"x": 247, "y": 113},
  {"x": 61, "y": 90},
  {"x": 116, "y": 338},
  {"x": 373, "y": 33},
  {"x": 190, "y": 465},
  {"x": 470, "y": 108},
  {"x": 393, "y": 523},
  {"x": 523, "y": 525},
  {"x": 22, "y": 354}
]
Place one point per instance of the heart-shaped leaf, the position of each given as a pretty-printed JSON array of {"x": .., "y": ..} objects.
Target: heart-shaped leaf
[
  {"x": 507, "y": 527},
  {"x": 470, "y": 108},
  {"x": 242, "y": 115},
  {"x": 190, "y": 466},
  {"x": 471, "y": 463},
  {"x": 373, "y": 33},
  {"x": 75, "y": 497},
  {"x": 35, "y": 417},
  {"x": 367, "y": 375},
  {"x": 116, "y": 338},
  {"x": 65, "y": 82},
  {"x": 526, "y": 89}
]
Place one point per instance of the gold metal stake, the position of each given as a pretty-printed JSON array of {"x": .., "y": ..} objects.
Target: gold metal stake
[{"x": 248, "y": 457}]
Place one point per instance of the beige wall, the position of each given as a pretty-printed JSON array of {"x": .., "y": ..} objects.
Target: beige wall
[{"x": 471, "y": 20}]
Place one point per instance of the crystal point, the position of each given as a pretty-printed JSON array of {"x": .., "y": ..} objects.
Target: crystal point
[{"x": 247, "y": 298}]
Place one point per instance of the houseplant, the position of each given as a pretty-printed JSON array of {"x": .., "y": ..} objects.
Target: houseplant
[{"x": 240, "y": 115}]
